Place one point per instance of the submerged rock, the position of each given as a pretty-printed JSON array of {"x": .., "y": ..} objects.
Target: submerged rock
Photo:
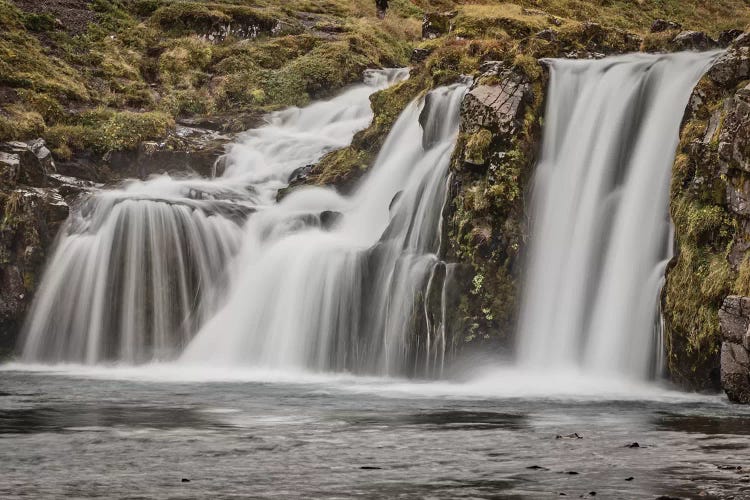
[{"x": 734, "y": 317}]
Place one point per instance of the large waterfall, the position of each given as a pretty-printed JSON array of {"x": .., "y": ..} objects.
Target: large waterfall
[
  {"x": 601, "y": 230},
  {"x": 138, "y": 270}
]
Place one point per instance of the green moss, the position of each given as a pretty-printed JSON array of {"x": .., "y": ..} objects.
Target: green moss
[{"x": 478, "y": 147}]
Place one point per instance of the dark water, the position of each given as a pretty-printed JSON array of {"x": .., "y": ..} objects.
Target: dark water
[{"x": 70, "y": 435}]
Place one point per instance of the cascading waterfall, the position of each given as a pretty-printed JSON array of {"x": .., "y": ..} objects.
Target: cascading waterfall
[
  {"x": 601, "y": 231},
  {"x": 342, "y": 295},
  {"x": 137, "y": 270}
]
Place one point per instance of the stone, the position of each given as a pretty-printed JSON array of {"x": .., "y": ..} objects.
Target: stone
[
  {"x": 661, "y": 25},
  {"x": 299, "y": 175},
  {"x": 734, "y": 320},
  {"x": 186, "y": 149},
  {"x": 31, "y": 170},
  {"x": 693, "y": 40},
  {"x": 435, "y": 24},
  {"x": 10, "y": 165},
  {"x": 726, "y": 37},
  {"x": 732, "y": 67},
  {"x": 497, "y": 108},
  {"x": 734, "y": 138},
  {"x": 43, "y": 154}
]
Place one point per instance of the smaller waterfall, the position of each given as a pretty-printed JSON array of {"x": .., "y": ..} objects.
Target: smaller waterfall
[
  {"x": 138, "y": 270},
  {"x": 343, "y": 296},
  {"x": 601, "y": 236}
]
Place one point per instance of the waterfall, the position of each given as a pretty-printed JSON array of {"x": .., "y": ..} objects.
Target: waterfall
[
  {"x": 138, "y": 270},
  {"x": 601, "y": 238},
  {"x": 344, "y": 295}
]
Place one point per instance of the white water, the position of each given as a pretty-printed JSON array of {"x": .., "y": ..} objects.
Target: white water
[
  {"x": 137, "y": 270},
  {"x": 343, "y": 298},
  {"x": 601, "y": 231}
]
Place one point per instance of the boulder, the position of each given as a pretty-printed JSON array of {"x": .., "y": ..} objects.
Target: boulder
[
  {"x": 497, "y": 108},
  {"x": 693, "y": 40},
  {"x": 32, "y": 169},
  {"x": 10, "y": 165},
  {"x": 734, "y": 319},
  {"x": 726, "y": 37},
  {"x": 661, "y": 25},
  {"x": 435, "y": 24},
  {"x": 732, "y": 67}
]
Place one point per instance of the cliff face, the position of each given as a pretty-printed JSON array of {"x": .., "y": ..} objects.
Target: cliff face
[{"x": 710, "y": 214}]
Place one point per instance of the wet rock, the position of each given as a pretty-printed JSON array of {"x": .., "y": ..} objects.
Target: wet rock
[
  {"x": 575, "y": 435},
  {"x": 629, "y": 478},
  {"x": 633, "y": 445},
  {"x": 734, "y": 319},
  {"x": 185, "y": 480},
  {"x": 693, "y": 40},
  {"x": 329, "y": 218},
  {"x": 661, "y": 25},
  {"x": 435, "y": 24},
  {"x": 299, "y": 175},
  {"x": 370, "y": 467}
]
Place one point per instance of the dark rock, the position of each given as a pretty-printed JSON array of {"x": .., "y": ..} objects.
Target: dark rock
[
  {"x": 537, "y": 467},
  {"x": 661, "y": 25},
  {"x": 10, "y": 165},
  {"x": 435, "y": 24},
  {"x": 329, "y": 218},
  {"x": 31, "y": 170},
  {"x": 726, "y": 37},
  {"x": 632, "y": 445},
  {"x": 186, "y": 149},
  {"x": 185, "y": 480},
  {"x": 734, "y": 319},
  {"x": 300, "y": 174},
  {"x": 419, "y": 55},
  {"x": 370, "y": 467},
  {"x": 575, "y": 435},
  {"x": 693, "y": 40},
  {"x": 629, "y": 478}
]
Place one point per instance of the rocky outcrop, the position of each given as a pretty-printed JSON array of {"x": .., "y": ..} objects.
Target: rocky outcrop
[
  {"x": 185, "y": 150},
  {"x": 734, "y": 316},
  {"x": 485, "y": 222},
  {"x": 32, "y": 209},
  {"x": 709, "y": 207}
]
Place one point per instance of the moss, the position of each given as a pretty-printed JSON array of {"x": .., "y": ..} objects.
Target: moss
[{"x": 478, "y": 147}]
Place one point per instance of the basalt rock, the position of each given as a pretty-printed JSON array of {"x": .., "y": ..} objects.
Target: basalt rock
[{"x": 734, "y": 316}]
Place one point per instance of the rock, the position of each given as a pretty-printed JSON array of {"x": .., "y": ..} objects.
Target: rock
[
  {"x": 43, "y": 154},
  {"x": 329, "y": 218},
  {"x": 633, "y": 445},
  {"x": 10, "y": 165},
  {"x": 419, "y": 55},
  {"x": 726, "y": 37},
  {"x": 661, "y": 25},
  {"x": 497, "y": 108},
  {"x": 734, "y": 320},
  {"x": 732, "y": 67},
  {"x": 734, "y": 138},
  {"x": 186, "y": 149},
  {"x": 31, "y": 170},
  {"x": 693, "y": 40},
  {"x": 300, "y": 174},
  {"x": 435, "y": 24}
]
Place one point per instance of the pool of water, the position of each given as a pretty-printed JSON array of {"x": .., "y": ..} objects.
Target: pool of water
[{"x": 156, "y": 433}]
